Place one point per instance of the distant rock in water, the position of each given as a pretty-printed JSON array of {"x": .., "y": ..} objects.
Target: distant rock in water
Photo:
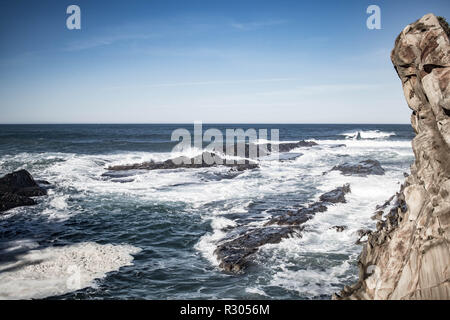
[
  {"x": 408, "y": 256},
  {"x": 234, "y": 253},
  {"x": 16, "y": 189},
  {"x": 288, "y": 146},
  {"x": 211, "y": 159},
  {"x": 363, "y": 168},
  {"x": 204, "y": 160}
]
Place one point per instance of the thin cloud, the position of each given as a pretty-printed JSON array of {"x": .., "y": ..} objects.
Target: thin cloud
[
  {"x": 104, "y": 41},
  {"x": 246, "y": 26},
  {"x": 324, "y": 89},
  {"x": 205, "y": 83}
]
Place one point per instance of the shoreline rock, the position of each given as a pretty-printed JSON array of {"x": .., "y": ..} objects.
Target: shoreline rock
[
  {"x": 17, "y": 188},
  {"x": 408, "y": 256}
]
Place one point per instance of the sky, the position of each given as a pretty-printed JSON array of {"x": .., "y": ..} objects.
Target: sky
[{"x": 165, "y": 61}]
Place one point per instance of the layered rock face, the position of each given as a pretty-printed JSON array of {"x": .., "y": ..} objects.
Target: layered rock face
[{"x": 408, "y": 257}]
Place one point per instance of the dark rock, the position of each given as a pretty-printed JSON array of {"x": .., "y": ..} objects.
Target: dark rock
[
  {"x": 363, "y": 168},
  {"x": 12, "y": 200},
  {"x": 338, "y": 145},
  {"x": 339, "y": 228},
  {"x": 43, "y": 182},
  {"x": 21, "y": 182},
  {"x": 200, "y": 161},
  {"x": 289, "y": 156},
  {"x": 16, "y": 188},
  {"x": 288, "y": 146},
  {"x": 234, "y": 254},
  {"x": 216, "y": 158},
  {"x": 299, "y": 217},
  {"x": 337, "y": 195},
  {"x": 262, "y": 150}
]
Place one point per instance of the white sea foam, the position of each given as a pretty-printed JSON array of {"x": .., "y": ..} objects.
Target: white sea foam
[
  {"x": 310, "y": 282},
  {"x": 255, "y": 290},
  {"x": 368, "y": 134},
  {"x": 54, "y": 271}
]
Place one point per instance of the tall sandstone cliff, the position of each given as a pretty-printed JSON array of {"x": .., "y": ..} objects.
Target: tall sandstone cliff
[{"x": 408, "y": 257}]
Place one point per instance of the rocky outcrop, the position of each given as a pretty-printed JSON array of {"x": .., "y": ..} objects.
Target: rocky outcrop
[
  {"x": 288, "y": 146},
  {"x": 16, "y": 189},
  {"x": 234, "y": 253},
  {"x": 211, "y": 159},
  {"x": 204, "y": 160},
  {"x": 408, "y": 257},
  {"x": 363, "y": 168}
]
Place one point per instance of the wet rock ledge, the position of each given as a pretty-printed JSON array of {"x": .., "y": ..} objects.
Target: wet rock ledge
[{"x": 235, "y": 254}]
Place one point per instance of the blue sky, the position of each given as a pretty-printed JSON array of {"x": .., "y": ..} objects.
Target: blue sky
[{"x": 216, "y": 61}]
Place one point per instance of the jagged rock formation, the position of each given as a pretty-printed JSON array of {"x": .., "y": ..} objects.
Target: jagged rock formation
[{"x": 408, "y": 257}]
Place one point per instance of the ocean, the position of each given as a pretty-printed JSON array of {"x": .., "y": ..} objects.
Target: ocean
[{"x": 152, "y": 234}]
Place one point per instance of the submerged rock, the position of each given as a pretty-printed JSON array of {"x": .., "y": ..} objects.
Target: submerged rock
[
  {"x": 363, "y": 168},
  {"x": 408, "y": 256},
  {"x": 16, "y": 188},
  {"x": 234, "y": 254}
]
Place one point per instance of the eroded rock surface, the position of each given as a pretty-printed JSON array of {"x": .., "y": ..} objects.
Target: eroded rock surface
[{"x": 408, "y": 256}]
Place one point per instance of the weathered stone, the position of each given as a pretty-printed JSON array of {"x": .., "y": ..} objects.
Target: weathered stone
[{"x": 410, "y": 251}]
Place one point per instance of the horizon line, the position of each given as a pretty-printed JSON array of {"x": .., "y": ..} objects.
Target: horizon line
[{"x": 208, "y": 123}]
